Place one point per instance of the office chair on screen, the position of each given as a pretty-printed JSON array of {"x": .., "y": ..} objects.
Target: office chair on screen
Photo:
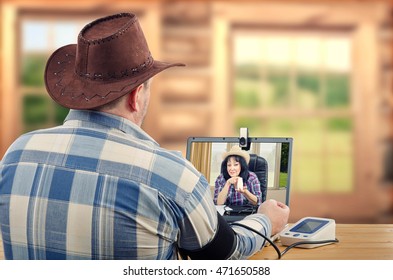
[{"x": 259, "y": 166}]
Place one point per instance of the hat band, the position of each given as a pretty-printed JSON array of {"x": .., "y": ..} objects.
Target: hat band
[{"x": 120, "y": 74}]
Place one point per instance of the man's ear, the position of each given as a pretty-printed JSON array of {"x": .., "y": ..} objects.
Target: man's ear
[{"x": 133, "y": 98}]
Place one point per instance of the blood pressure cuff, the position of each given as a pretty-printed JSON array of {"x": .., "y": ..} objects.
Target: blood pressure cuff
[{"x": 220, "y": 247}]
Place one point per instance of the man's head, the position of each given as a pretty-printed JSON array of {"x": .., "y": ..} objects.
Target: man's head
[
  {"x": 111, "y": 59},
  {"x": 132, "y": 106}
]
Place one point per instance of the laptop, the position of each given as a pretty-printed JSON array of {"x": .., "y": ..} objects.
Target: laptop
[
  {"x": 235, "y": 213},
  {"x": 205, "y": 153}
]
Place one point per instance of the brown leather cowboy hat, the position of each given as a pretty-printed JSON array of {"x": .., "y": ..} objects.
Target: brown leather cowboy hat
[
  {"x": 111, "y": 59},
  {"x": 236, "y": 151}
]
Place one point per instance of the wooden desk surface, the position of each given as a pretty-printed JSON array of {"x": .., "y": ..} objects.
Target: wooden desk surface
[{"x": 356, "y": 242}]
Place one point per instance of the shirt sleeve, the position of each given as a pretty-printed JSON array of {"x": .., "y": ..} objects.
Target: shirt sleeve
[
  {"x": 249, "y": 242},
  {"x": 255, "y": 186},
  {"x": 218, "y": 185},
  {"x": 199, "y": 225}
]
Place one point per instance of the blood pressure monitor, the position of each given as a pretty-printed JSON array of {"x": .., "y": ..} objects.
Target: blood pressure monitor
[{"x": 309, "y": 229}]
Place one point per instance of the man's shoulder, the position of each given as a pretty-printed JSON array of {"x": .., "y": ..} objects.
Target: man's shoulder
[
  {"x": 25, "y": 138},
  {"x": 175, "y": 163}
]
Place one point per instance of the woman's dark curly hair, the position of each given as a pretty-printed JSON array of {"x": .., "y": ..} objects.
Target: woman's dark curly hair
[{"x": 243, "y": 167}]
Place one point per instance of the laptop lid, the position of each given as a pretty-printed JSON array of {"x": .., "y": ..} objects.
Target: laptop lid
[{"x": 205, "y": 153}]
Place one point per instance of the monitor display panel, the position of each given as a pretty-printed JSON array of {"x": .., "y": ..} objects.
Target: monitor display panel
[
  {"x": 206, "y": 154},
  {"x": 309, "y": 226}
]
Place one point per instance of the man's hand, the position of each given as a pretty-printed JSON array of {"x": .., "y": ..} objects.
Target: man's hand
[{"x": 277, "y": 212}]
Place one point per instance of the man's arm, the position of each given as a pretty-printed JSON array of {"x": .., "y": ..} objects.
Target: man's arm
[{"x": 201, "y": 229}]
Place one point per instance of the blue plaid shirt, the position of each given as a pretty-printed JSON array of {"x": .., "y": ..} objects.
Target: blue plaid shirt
[{"x": 99, "y": 187}]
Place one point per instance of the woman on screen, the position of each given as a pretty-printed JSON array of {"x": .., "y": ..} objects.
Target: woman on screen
[{"x": 236, "y": 185}]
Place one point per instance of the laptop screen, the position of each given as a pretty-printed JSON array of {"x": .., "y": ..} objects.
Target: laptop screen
[{"x": 206, "y": 154}]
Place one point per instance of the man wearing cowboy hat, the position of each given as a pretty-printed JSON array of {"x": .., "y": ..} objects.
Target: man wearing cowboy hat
[{"x": 99, "y": 187}]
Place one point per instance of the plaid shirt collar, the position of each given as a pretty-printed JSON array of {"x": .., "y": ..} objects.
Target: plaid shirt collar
[{"x": 96, "y": 119}]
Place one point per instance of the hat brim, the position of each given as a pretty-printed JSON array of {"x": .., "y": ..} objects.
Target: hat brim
[
  {"x": 77, "y": 92},
  {"x": 240, "y": 153}
]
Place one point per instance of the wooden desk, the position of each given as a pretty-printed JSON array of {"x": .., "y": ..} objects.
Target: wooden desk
[{"x": 356, "y": 242}]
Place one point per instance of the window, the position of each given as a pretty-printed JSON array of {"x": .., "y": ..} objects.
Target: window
[
  {"x": 298, "y": 84},
  {"x": 39, "y": 38}
]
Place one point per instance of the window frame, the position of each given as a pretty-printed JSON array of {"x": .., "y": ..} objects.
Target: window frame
[
  {"x": 291, "y": 111},
  {"x": 364, "y": 78}
]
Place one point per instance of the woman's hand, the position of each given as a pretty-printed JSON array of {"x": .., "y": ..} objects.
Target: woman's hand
[
  {"x": 222, "y": 196},
  {"x": 252, "y": 198},
  {"x": 232, "y": 181}
]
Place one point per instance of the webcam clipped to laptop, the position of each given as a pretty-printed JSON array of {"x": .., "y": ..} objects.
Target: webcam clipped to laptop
[{"x": 270, "y": 160}]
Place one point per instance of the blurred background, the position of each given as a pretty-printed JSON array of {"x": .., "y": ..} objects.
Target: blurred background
[{"x": 318, "y": 71}]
